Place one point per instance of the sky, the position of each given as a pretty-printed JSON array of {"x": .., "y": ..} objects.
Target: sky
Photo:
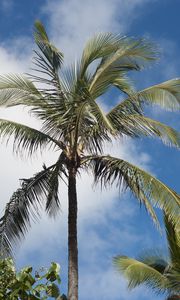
[{"x": 108, "y": 223}]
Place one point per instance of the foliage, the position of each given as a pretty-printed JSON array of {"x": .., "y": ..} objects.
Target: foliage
[
  {"x": 24, "y": 285},
  {"x": 153, "y": 269}
]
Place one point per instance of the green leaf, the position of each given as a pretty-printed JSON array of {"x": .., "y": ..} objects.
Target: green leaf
[{"x": 53, "y": 290}]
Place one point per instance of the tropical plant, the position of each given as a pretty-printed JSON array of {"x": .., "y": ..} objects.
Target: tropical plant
[
  {"x": 26, "y": 284},
  {"x": 75, "y": 126},
  {"x": 153, "y": 269}
]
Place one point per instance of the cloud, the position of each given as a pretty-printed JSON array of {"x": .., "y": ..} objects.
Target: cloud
[
  {"x": 72, "y": 22},
  {"x": 11, "y": 62}
]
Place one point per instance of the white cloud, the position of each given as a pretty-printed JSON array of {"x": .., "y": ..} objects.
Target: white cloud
[{"x": 72, "y": 22}]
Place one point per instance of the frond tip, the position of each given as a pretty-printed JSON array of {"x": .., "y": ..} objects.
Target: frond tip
[
  {"x": 149, "y": 190},
  {"x": 52, "y": 58},
  {"x": 165, "y": 94}
]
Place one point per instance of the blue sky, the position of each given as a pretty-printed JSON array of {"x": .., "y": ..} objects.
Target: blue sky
[{"x": 107, "y": 224}]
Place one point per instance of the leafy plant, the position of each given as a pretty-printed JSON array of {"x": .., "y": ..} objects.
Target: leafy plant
[
  {"x": 77, "y": 128},
  {"x": 24, "y": 285}
]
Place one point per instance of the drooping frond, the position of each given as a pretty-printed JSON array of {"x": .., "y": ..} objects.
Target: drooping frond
[
  {"x": 130, "y": 55},
  {"x": 173, "y": 238},
  {"x": 25, "y": 138},
  {"x": 138, "y": 125},
  {"x": 108, "y": 169},
  {"x": 35, "y": 192},
  {"x": 138, "y": 273},
  {"x": 52, "y": 203},
  {"x": 166, "y": 94},
  {"x": 23, "y": 206},
  {"x": 148, "y": 206}
]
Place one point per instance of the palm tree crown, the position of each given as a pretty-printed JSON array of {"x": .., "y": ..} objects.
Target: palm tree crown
[
  {"x": 158, "y": 273},
  {"x": 75, "y": 125}
]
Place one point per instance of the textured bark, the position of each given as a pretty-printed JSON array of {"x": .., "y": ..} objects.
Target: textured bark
[{"x": 72, "y": 237}]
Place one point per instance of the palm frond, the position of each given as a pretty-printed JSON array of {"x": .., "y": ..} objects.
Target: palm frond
[
  {"x": 155, "y": 259},
  {"x": 23, "y": 206},
  {"x": 25, "y": 138},
  {"x": 47, "y": 62},
  {"x": 99, "y": 46},
  {"x": 130, "y": 55},
  {"x": 149, "y": 208},
  {"x": 17, "y": 89},
  {"x": 100, "y": 116},
  {"x": 138, "y": 125},
  {"x": 138, "y": 273},
  {"x": 173, "y": 238},
  {"x": 109, "y": 169},
  {"x": 53, "y": 203},
  {"x": 173, "y": 276},
  {"x": 124, "y": 84},
  {"x": 53, "y": 58},
  {"x": 165, "y": 94},
  {"x": 36, "y": 192},
  {"x": 126, "y": 107}
]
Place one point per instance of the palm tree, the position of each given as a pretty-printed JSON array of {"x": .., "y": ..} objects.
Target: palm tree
[
  {"x": 74, "y": 124},
  {"x": 152, "y": 269}
]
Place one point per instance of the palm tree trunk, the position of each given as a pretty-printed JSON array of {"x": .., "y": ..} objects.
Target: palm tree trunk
[{"x": 72, "y": 237}]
